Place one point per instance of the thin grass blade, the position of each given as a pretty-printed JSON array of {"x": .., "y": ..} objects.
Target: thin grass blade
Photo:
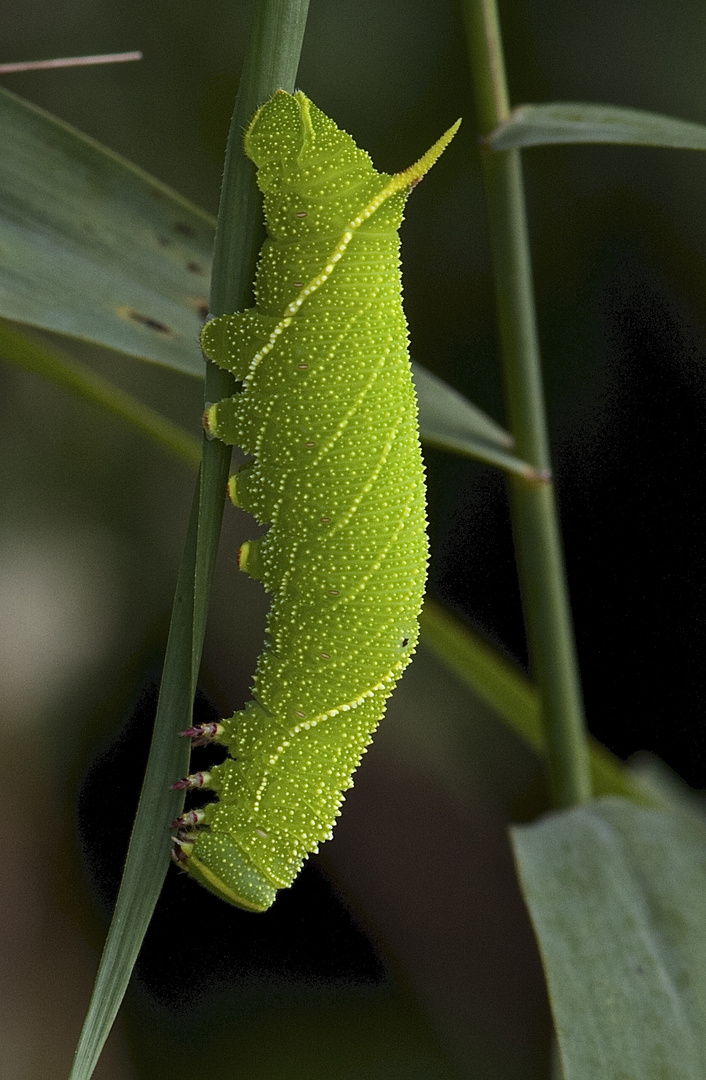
[
  {"x": 513, "y": 698},
  {"x": 148, "y": 854},
  {"x": 667, "y": 787},
  {"x": 62, "y": 369},
  {"x": 272, "y": 61},
  {"x": 70, "y": 61},
  {"x": 580, "y": 122},
  {"x": 448, "y": 420}
]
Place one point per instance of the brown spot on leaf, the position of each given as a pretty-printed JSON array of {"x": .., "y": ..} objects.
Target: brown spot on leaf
[
  {"x": 197, "y": 304},
  {"x": 183, "y": 229},
  {"x": 145, "y": 320},
  {"x": 194, "y": 268},
  {"x": 164, "y": 241}
]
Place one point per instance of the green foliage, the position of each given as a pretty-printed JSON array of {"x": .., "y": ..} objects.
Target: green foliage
[
  {"x": 139, "y": 285},
  {"x": 67, "y": 372},
  {"x": 97, "y": 250},
  {"x": 515, "y": 700},
  {"x": 276, "y": 39},
  {"x": 579, "y": 122},
  {"x": 616, "y": 896},
  {"x": 94, "y": 248}
]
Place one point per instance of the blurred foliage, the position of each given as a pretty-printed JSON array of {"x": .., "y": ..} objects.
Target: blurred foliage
[
  {"x": 640, "y": 953},
  {"x": 94, "y": 517}
]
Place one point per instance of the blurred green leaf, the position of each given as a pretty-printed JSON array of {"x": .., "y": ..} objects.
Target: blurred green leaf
[
  {"x": 93, "y": 247},
  {"x": 513, "y": 698},
  {"x": 616, "y": 895},
  {"x": 667, "y": 787},
  {"x": 578, "y": 122},
  {"x": 99, "y": 250},
  {"x": 66, "y": 371},
  {"x": 448, "y": 420},
  {"x": 148, "y": 854}
]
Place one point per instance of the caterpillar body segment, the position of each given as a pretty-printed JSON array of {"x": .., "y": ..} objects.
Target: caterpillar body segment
[{"x": 328, "y": 413}]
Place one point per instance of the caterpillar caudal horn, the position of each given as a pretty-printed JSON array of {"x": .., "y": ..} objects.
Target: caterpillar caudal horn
[{"x": 328, "y": 413}]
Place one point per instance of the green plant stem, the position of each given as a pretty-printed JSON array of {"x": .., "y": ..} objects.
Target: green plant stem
[
  {"x": 534, "y": 513},
  {"x": 66, "y": 371},
  {"x": 272, "y": 62}
]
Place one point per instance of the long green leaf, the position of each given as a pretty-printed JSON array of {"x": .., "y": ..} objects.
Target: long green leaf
[
  {"x": 147, "y": 859},
  {"x": 616, "y": 895},
  {"x": 92, "y": 247},
  {"x": 68, "y": 372},
  {"x": 513, "y": 698},
  {"x": 272, "y": 61},
  {"x": 578, "y": 122},
  {"x": 97, "y": 249},
  {"x": 448, "y": 420}
]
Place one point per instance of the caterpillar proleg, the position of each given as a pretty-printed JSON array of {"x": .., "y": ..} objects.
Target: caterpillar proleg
[{"x": 328, "y": 414}]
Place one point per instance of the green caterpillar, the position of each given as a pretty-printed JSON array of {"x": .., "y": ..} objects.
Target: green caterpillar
[{"x": 329, "y": 415}]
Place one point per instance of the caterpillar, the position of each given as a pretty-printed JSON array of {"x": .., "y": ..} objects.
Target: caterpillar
[{"x": 327, "y": 416}]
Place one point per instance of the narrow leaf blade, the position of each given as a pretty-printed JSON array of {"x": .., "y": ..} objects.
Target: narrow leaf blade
[
  {"x": 148, "y": 855},
  {"x": 666, "y": 786},
  {"x": 580, "y": 122},
  {"x": 272, "y": 61},
  {"x": 616, "y": 896},
  {"x": 66, "y": 371},
  {"x": 99, "y": 250},
  {"x": 93, "y": 247},
  {"x": 448, "y": 420},
  {"x": 513, "y": 698}
]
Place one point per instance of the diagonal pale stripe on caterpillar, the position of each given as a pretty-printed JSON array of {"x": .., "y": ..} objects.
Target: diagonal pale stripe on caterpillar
[{"x": 328, "y": 413}]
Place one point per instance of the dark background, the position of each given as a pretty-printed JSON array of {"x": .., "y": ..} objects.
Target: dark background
[{"x": 404, "y": 950}]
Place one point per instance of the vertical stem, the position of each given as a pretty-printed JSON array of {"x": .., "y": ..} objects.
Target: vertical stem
[{"x": 540, "y": 558}]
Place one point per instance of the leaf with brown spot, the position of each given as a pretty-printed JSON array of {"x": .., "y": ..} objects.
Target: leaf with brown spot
[
  {"x": 89, "y": 243},
  {"x": 87, "y": 238}
]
